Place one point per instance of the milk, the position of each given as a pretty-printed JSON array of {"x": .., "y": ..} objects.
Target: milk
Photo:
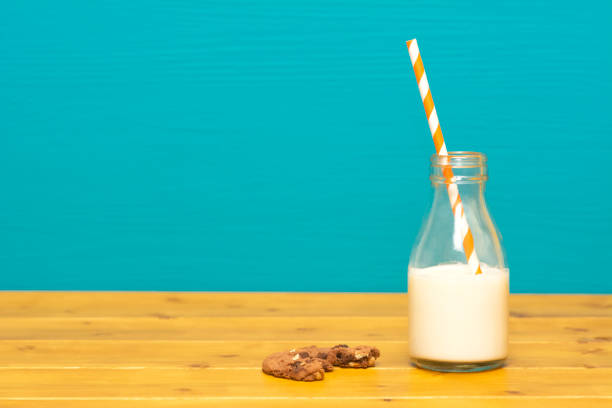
[{"x": 456, "y": 316}]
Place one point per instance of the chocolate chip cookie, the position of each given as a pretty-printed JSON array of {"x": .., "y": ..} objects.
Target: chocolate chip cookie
[
  {"x": 354, "y": 357},
  {"x": 303, "y": 364}
]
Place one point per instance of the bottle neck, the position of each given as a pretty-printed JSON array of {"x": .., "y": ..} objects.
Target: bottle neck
[
  {"x": 472, "y": 194},
  {"x": 468, "y": 170}
]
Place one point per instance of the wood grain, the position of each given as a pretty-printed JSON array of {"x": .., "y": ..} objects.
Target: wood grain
[
  {"x": 300, "y": 329},
  {"x": 187, "y": 304},
  {"x": 244, "y": 354},
  {"x": 447, "y": 402},
  {"x": 450, "y": 402},
  {"x": 343, "y": 384},
  {"x": 202, "y": 349}
]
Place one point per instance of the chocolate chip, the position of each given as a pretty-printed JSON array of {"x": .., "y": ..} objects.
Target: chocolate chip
[
  {"x": 341, "y": 345},
  {"x": 304, "y": 354}
]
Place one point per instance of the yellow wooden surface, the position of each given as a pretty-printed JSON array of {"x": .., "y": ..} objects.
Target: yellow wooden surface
[{"x": 203, "y": 350}]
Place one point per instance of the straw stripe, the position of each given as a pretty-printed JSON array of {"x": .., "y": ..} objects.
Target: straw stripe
[
  {"x": 413, "y": 50},
  {"x": 456, "y": 205},
  {"x": 433, "y": 121},
  {"x": 453, "y": 194},
  {"x": 438, "y": 140},
  {"x": 428, "y": 102},
  {"x": 419, "y": 69},
  {"x": 468, "y": 242},
  {"x": 423, "y": 86},
  {"x": 461, "y": 224},
  {"x": 474, "y": 263}
]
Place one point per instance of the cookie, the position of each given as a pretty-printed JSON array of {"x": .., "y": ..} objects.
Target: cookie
[
  {"x": 354, "y": 357},
  {"x": 301, "y": 365},
  {"x": 317, "y": 352}
]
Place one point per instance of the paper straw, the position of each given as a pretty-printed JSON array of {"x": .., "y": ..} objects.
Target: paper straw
[{"x": 434, "y": 126}]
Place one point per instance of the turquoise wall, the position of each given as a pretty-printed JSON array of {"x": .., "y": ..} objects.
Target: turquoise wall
[{"x": 282, "y": 145}]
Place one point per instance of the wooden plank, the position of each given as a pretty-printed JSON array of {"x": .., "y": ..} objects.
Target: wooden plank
[
  {"x": 185, "y": 304},
  {"x": 194, "y": 357},
  {"x": 452, "y": 402},
  {"x": 68, "y": 354},
  {"x": 319, "y": 329},
  {"x": 341, "y": 384},
  {"x": 174, "y": 304},
  {"x": 560, "y": 305}
]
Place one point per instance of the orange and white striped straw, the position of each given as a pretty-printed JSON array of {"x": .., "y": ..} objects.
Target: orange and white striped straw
[{"x": 461, "y": 223}]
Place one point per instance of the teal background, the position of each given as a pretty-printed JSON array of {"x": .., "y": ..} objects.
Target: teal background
[{"x": 282, "y": 145}]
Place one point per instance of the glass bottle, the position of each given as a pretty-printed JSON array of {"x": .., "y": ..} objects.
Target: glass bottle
[{"x": 458, "y": 320}]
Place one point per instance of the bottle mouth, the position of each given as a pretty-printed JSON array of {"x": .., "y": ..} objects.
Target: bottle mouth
[
  {"x": 467, "y": 168},
  {"x": 459, "y": 159}
]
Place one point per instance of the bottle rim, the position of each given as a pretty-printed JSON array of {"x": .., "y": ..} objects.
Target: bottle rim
[
  {"x": 459, "y": 159},
  {"x": 468, "y": 168}
]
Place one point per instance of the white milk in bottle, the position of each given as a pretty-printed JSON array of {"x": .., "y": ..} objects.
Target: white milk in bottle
[{"x": 456, "y": 316}]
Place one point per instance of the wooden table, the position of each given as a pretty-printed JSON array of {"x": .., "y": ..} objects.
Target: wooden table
[{"x": 205, "y": 349}]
